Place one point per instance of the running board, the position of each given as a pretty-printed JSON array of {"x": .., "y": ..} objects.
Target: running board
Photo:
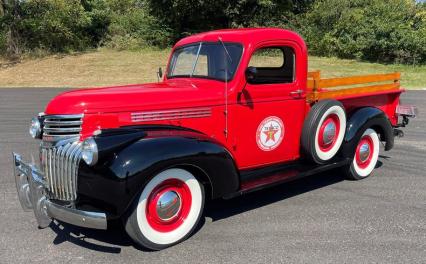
[{"x": 256, "y": 179}]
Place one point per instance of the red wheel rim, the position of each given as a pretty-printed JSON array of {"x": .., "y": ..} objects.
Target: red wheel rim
[
  {"x": 170, "y": 216},
  {"x": 328, "y": 140},
  {"x": 364, "y": 152}
]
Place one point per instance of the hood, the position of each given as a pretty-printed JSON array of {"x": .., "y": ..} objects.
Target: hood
[{"x": 169, "y": 94}]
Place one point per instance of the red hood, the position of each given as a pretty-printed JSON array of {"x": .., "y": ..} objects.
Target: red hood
[{"x": 169, "y": 94}]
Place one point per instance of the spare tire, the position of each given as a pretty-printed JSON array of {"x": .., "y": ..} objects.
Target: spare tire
[{"x": 323, "y": 131}]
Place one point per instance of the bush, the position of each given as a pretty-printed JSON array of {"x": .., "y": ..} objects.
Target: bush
[
  {"x": 133, "y": 27},
  {"x": 375, "y": 30},
  {"x": 185, "y": 17},
  {"x": 3, "y": 42},
  {"x": 55, "y": 25},
  {"x": 378, "y": 30}
]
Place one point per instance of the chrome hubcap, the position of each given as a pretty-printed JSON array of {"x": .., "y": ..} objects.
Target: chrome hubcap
[
  {"x": 364, "y": 152},
  {"x": 168, "y": 205},
  {"x": 329, "y": 133}
]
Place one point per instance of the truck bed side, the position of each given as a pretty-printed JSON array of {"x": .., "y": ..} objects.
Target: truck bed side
[{"x": 378, "y": 90}]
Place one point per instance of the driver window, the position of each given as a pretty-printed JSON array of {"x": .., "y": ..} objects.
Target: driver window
[{"x": 273, "y": 65}]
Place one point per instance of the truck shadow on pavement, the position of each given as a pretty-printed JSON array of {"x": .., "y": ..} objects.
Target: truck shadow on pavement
[
  {"x": 220, "y": 209},
  {"x": 113, "y": 239},
  {"x": 107, "y": 241}
]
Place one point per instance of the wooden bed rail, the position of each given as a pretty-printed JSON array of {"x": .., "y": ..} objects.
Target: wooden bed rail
[{"x": 340, "y": 87}]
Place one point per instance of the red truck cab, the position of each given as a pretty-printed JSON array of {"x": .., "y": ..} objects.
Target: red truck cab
[{"x": 236, "y": 111}]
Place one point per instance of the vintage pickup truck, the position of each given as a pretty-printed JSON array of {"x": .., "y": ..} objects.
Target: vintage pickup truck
[{"x": 236, "y": 111}]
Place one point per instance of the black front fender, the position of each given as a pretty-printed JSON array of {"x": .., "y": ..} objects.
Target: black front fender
[
  {"x": 121, "y": 176},
  {"x": 362, "y": 119}
]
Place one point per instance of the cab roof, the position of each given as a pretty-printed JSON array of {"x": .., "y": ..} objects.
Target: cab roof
[{"x": 245, "y": 36}]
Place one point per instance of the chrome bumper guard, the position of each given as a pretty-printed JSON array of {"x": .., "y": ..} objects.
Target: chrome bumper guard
[{"x": 31, "y": 188}]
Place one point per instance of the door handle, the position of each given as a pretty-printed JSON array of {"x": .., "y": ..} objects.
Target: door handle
[{"x": 297, "y": 93}]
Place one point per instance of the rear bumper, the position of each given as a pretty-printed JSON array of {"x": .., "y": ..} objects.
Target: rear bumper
[
  {"x": 31, "y": 189},
  {"x": 406, "y": 112}
]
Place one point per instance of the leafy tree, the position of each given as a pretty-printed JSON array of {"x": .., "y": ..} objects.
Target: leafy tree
[
  {"x": 10, "y": 39},
  {"x": 133, "y": 26},
  {"x": 185, "y": 17},
  {"x": 377, "y": 30},
  {"x": 53, "y": 25}
]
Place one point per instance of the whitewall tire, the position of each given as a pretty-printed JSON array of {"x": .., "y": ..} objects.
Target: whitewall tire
[
  {"x": 366, "y": 156},
  {"x": 328, "y": 119},
  {"x": 167, "y": 211}
]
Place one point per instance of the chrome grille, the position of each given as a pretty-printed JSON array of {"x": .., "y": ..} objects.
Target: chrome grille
[
  {"x": 59, "y": 164},
  {"x": 62, "y": 125}
]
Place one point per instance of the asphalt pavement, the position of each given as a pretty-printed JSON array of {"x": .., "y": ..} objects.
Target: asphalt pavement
[{"x": 320, "y": 219}]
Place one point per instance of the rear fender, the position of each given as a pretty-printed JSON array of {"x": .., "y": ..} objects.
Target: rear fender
[{"x": 362, "y": 119}]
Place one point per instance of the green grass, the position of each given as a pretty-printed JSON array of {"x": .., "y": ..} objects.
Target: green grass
[
  {"x": 412, "y": 77},
  {"x": 109, "y": 67}
]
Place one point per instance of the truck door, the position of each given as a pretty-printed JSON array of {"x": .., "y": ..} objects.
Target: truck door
[{"x": 270, "y": 108}]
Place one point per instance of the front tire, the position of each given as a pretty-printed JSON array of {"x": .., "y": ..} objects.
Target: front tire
[
  {"x": 168, "y": 210},
  {"x": 366, "y": 156}
]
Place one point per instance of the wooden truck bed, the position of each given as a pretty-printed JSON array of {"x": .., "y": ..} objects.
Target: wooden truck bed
[{"x": 354, "y": 86}]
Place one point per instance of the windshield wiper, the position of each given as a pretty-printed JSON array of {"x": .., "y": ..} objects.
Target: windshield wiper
[
  {"x": 196, "y": 60},
  {"x": 226, "y": 50}
]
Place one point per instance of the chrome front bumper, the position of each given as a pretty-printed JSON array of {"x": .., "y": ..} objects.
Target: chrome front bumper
[{"x": 31, "y": 189}]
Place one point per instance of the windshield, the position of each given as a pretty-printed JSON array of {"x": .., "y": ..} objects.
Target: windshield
[{"x": 205, "y": 60}]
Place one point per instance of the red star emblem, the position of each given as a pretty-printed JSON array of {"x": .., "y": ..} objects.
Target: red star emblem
[{"x": 270, "y": 133}]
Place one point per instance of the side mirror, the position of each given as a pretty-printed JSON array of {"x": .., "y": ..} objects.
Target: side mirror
[
  {"x": 160, "y": 73},
  {"x": 251, "y": 74}
]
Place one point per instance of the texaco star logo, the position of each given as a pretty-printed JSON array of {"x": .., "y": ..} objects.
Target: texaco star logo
[{"x": 270, "y": 133}]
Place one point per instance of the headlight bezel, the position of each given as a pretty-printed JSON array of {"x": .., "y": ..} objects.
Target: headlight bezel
[{"x": 89, "y": 151}]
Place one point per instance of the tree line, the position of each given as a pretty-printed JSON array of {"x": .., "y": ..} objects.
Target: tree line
[{"x": 390, "y": 31}]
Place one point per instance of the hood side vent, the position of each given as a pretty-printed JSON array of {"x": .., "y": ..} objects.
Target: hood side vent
[{"x": 171, "y": 114}]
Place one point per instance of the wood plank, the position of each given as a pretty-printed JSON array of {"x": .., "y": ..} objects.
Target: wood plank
[
  {"x": 324, "y": 94},
  {"x": 313, "y": 80},
  {"x": 317, "y": 87},
  {"x": 353, "y": 80}
]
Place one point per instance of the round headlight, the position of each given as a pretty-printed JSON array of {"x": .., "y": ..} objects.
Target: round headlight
[
  {"x": 35, "y": 128},
  {"x": 90, "y": 152}
]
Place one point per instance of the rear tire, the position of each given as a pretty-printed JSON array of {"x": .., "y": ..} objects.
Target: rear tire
[
  {"x": 323, "y": 131},
  {"x": 365, "y": 157},
  {"x": 167, "y": 211}
]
